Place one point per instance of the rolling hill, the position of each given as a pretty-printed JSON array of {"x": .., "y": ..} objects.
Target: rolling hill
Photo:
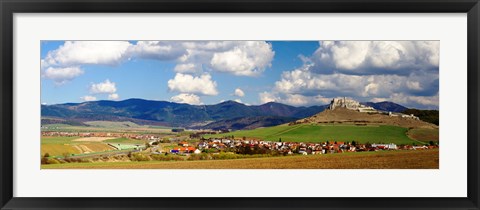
[
  {"x": 172, "y": 114},
  {"x": 342, "y": 124},
  {"x": 347, "y": 116}
]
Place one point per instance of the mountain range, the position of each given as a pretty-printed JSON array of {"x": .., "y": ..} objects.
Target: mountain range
[{"x": 225, "y": 115}]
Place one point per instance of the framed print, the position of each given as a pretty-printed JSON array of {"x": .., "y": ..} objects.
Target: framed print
[{"x": 239, "y": 105}]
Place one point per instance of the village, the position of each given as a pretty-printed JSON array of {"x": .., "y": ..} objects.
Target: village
[
  {"x": 195, "y": 143},
  {"x": 245, "y": 146}
]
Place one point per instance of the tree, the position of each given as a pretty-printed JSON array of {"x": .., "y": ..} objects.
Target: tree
[
  {"x": 279, "y": 139},
  {"x": 354, "y": 143},
  {"x": 46, "y": 155},
  {"x": 431, "y": 143}
]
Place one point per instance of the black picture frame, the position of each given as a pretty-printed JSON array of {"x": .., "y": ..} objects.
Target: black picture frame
[{"x": 10, "y": 7}]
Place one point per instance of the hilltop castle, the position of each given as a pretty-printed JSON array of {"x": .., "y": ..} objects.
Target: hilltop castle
[{"x": 350, "y": 104}]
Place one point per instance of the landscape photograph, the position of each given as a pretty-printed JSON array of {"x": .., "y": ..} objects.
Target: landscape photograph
[{"x": 186, "y": 104}]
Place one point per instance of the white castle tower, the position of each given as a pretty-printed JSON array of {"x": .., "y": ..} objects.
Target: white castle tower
[{"x": 351, "y": 104}]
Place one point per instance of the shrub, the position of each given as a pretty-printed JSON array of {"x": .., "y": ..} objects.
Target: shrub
[
  {"x": 44, "y": 160},
  {"x": 139, "y": 157},
  {"x": 166, "y": 157}
]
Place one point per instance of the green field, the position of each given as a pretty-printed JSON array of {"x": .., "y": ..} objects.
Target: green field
[
  {"x": 58, "y": 139},
  {"x": 108, "y": 126},
  {"x": 323, "y": 133}
]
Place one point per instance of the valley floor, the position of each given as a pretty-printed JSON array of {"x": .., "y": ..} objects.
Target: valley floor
[{"x": 400, "y": 159}]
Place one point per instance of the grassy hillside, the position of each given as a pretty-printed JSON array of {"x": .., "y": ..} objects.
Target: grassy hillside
[{"x": 321, "y": 133}]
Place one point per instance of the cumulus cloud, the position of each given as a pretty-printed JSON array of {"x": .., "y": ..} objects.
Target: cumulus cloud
[
  {"x": 246, "y": 59},
  {"x": 371, "y": 57},
  {"x": 113, "y": 96},
  {"x": 103, "y": 87},
  {"x": 293, "y": 99},
  {"x": 158, "y": 50},
  {"x": 186, "y": 68},
  {"x": 239, "y": 92},
  {"x": 74, "y": 53},
  {"x": 106, "y": 88},
  {"x": 62, "y": 75},
  {"x": 185, "y": 83},
  {"x": 88, "y": 98},
  {"x": 241, "y": 58},
  {"x": 365, "y": 87},
  {"x": 423, "y": 101},
  {"x": 404, "y": 72},
  {"x": 266, "y": 97},
  {"x": 187, "y": 98}
]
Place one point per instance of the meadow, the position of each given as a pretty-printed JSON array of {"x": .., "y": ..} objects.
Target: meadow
[
  {"x": 323, "y": 133},
  {"x": 401, "y": 159},
  {"x": 108, "y": 126}
]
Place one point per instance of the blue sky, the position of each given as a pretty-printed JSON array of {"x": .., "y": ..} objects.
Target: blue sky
[{"x": 298, "y": 73}]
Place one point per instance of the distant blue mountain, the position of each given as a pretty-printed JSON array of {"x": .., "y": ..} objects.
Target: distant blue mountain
[
  {"x": 386, "y": 106},
  {"x": 185, "y": 115},
  {"x": 170, "y": 113}
]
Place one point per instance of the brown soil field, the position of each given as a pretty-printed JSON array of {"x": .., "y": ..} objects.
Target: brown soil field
[
  {"x": 406, "y": 159},
  {"x": 346, "y": 116}
]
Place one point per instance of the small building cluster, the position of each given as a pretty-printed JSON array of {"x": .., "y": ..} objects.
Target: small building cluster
[
  {"x": 253, "y": 146},
  {"x": 411, "y": 116}
]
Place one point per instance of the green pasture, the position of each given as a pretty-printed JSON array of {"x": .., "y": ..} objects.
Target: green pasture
[
  {"x": 322, "y": 133},
  {"x": 58, "y": 139}
]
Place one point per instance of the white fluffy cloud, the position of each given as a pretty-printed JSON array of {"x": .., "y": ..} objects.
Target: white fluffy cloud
[
  {"x": 425, "y": 101},
  {"x": 387, "y": 57},
  {"x": 103, "y": 87},
  {"x": 186, "y": 68},
  {"x": 187, "y": 98},
  {"x": 74, "y": 53},
  {"x": 242, "y": 58},
  {"x": 266, "y": 97},
  {"x": 88, "y": 98},
  {"x": 246, "y": 59},
  {"x": 306, "y": 82},
  {"x": 113, "y": 96},
  {"x": 305, "y": 87},
  {"x": 404, "y": 72},
  {"x": 159, "y": 50},
  {"x": 62, "y": 75},
  {"x": 239, "y": 92},
  {"x": 185, "y": 83},
  {"x": 292, "y": 99}
]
